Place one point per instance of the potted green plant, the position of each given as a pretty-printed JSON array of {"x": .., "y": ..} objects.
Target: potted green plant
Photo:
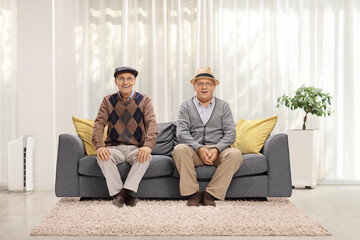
[
  {"x": 304, "y": 145},
  {"x": 311, "y": 100}
]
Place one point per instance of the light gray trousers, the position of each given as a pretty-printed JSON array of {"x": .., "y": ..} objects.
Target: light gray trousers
[{"x": 121, "y": 154}]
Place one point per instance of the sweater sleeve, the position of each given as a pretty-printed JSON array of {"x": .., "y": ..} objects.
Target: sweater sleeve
[
  {"x": 228, "y": 129},
  {"x": 150, "y": 123},
  {"x": 183, "y": 128},
  {"x": 99, "y": 124}
]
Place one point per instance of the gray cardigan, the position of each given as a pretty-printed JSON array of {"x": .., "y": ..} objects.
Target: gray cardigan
[{"x": 218, "y": 131}]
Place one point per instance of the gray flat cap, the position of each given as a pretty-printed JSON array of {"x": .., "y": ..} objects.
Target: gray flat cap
[{"x": 125, "y": 69}]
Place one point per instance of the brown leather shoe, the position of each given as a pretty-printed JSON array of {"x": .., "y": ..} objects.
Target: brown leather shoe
[
  {"x": 119, "y": 201},
  {"x": 208, "y": 200},
  {"x": 131, "y": 201},
  {"x": 195, "y": 199}
]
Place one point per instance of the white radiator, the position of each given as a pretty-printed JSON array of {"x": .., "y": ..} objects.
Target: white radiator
[{"x": 20, "y": 164}]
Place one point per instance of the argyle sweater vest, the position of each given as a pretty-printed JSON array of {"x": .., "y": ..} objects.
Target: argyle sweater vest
[{"x": 130, "y": 122}]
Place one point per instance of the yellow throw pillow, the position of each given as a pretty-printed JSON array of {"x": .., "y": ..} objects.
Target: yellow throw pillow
[
  {"x": 252, "y": 134},
  {"x": 84, "y": 129}
]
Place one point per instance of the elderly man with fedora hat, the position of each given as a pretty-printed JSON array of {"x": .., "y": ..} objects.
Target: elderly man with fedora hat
[
  {"x": 131, "y": 136},
  {"x": 205, "y": 130}
]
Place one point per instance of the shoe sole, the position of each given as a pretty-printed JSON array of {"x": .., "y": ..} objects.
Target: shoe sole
[
  {"x": 213, "y": 205},
  {"x": 118, "y": 205},
  {"x": 133, "y": 204},
  {"x": 196, "y": 205}
]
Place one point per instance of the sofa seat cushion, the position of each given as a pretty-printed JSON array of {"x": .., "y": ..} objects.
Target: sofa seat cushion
[
  {"x": 253, "y": 164},
  {"x": 159, "y": 166}
]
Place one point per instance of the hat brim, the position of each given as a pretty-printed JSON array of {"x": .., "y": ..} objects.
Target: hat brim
[
  {"x": 192, "y": 81},
  {"x": 127, "y": 70}
]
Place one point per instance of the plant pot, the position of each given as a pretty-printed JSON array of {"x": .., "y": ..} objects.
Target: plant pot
[{"x": 304, "y": 148}]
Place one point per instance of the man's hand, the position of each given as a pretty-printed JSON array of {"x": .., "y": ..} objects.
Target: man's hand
[
  {"x": 205, "y": 156},
  {"x": 103, "y": 153},
  {"x": 143, "y": 154},
  {"x": 214, "y": 154}
]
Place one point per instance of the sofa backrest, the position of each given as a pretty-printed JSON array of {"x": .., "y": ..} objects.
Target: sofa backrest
[{"x": 165, "y": 139}]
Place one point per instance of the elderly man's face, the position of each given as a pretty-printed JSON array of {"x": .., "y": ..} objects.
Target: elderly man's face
[
  {"x": 125, "y": 82},
  {"x": 204, "y": 89}
]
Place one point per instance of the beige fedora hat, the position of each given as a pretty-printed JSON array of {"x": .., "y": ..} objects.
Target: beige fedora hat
[{"x": 204, "y": 73}]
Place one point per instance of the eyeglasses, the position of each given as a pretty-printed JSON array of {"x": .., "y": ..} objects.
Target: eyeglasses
[
  {"x": 122, "y": 79},
  {"x": 201, "y": 84}
]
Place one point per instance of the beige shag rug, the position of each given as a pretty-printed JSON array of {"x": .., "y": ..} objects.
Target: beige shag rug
[{"x": 275, "y": 217}]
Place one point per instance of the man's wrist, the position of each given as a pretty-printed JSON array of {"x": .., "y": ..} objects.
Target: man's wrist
[
  {"x": 216, "y": 149},
  {"x": 198, "y": 150}
]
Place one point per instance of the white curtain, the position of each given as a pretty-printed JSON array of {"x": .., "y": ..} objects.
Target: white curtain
[
  {"x": 8, "y": 107},
  {"x": 258, "y": 49}
]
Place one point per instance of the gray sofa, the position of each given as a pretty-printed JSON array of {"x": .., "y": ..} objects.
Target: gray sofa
[{"x": 259, "y": 176}]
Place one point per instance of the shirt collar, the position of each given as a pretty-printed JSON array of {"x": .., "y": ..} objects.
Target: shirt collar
[
  {"x": 132, "y": 94},
  {"x": 199, "y": 103}
]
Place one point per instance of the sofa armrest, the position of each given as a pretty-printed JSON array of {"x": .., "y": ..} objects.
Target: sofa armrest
[
  {"x": 276, "y": 150},
  {"x": 70, "y": 151}
]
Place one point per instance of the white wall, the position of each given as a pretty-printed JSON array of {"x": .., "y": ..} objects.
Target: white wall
[
  {"x": 35, "y": 86},
  {"x": 65, "y": 73}
]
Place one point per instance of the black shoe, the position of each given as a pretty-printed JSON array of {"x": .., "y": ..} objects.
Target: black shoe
[
  {"x": 131, "y": 201},
  {"x": 195, "y": 199},
  {"x": 119, "y": 200},
  {"x": 208, "y": 200}
]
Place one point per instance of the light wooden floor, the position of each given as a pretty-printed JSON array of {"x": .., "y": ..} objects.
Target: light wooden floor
[{"x": 335, "y": 207}]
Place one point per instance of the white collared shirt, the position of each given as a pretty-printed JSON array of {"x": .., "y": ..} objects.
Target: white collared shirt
[{"x": 204, "y": 112}]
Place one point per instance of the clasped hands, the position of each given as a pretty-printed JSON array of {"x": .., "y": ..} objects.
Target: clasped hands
[
  {"x": 143, "y": 154},
  {"x": 208, "y": 156}
]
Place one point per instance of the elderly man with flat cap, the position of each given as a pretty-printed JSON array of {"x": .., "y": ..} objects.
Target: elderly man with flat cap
[
  {"x": 131, "y": 136},
  {"x": 205, "y": 130}
]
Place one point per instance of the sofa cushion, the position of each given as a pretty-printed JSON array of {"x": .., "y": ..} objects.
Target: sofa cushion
[
  {"x": 160, "y": 166},
  {"x": 84, "y": 129},
  {"x": 253, "y": 164},
  {"x": 252, "y": 134},
  {"x": 165, "y": 140}
]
